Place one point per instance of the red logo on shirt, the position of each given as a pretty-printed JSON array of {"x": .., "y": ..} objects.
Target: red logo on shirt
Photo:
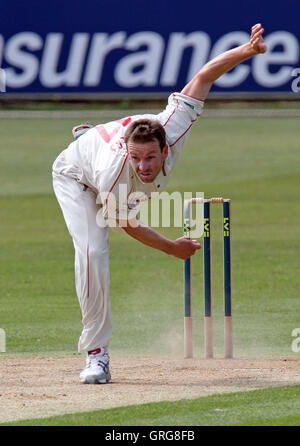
[
  {"x": 119, "y": 145},
  {"x": 109, "y": 136},
  {"x": 104, "y": 133}
]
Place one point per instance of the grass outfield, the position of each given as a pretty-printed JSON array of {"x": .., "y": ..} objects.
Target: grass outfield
[
  {"x": 267, "y": 407},
  {"x": 253, "y": 161}
]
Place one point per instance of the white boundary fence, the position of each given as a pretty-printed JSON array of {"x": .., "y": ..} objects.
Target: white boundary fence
[{"x": 116, "y": 114}]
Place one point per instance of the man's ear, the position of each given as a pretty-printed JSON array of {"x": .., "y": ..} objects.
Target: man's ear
[{"x": 165, "y": 151}]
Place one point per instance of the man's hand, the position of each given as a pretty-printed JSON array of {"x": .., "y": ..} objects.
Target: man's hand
[
  {"x": 201, "y": 83},
  {"x": 256, "y": 40},
  {"x": 183, "y": 248}
]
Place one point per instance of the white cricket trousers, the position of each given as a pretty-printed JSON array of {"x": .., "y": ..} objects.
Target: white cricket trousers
[{"x": 92, "y": 279}]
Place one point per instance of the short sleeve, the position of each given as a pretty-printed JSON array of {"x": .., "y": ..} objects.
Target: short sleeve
[{"x": 178, "y": 117}]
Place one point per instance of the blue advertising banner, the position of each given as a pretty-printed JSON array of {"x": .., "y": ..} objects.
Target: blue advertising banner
[{"x": 103, "y": 47}]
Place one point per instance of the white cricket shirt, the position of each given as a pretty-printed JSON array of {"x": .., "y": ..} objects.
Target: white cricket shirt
[{"x": 99, "y": 158}]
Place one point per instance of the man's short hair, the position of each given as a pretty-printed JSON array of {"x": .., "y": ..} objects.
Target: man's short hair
[{"x": 146, "y": 130}]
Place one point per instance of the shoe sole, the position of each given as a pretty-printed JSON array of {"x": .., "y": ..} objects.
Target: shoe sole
[{"x": 95, "y": 380}]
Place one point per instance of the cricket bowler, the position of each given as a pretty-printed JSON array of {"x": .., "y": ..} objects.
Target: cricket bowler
[{"x": 139, "y": 152}]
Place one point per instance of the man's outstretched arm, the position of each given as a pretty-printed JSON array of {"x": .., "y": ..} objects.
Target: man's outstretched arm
[
  {"x": 200, "y": 85},
  {"x": 182, "y": 248}
]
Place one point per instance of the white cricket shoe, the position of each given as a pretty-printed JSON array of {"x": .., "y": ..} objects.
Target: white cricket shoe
[
  {"x": 80, "y": 129},
  {"x": 96, "y": 370}
]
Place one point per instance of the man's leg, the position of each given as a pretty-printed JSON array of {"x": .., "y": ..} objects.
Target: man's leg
[{"x": 91, "y": 261}]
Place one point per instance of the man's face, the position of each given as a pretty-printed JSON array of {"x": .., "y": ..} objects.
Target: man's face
[{"x": 147, "y": 159}]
